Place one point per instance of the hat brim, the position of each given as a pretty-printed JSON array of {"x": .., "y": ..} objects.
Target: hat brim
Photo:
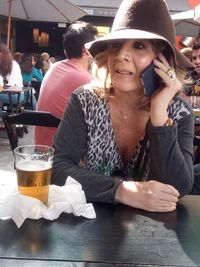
[{"x": 99, "y": 45}]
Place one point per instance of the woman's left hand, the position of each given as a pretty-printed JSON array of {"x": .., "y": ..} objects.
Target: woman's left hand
[{"x": 162, "y": 97}]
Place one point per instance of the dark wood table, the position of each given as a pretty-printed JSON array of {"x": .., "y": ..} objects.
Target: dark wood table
[{"x": 119, "y": 236}]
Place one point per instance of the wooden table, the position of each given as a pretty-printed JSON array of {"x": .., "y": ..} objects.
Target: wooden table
[{"x": 119, "y": 236}]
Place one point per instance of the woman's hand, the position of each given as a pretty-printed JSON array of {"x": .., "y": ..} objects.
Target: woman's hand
[
  {"x": 149, "y": 196},
  {"x": 170, "y": 86}
]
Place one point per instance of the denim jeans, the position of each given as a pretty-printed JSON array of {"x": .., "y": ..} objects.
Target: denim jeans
[{"x": 4, "y": 98}]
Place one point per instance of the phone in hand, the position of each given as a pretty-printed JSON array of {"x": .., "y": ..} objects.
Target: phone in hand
[{"x": 150, "y": 80}]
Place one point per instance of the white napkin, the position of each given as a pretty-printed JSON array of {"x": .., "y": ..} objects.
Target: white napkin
[{"x": 69, "y": 198}]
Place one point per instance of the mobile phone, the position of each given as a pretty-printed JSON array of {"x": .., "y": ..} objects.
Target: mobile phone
[{"x": 150, "y": 80}]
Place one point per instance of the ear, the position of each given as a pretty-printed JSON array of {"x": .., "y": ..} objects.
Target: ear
[{"x": 86, "y": 52}]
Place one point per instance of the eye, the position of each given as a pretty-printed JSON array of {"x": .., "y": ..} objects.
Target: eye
[
  {"x": 138, "y": 45},
  {"x": 116, "y": 44}
]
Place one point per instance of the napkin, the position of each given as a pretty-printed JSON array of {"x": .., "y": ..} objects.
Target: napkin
[{"x": 69, "y": 198}]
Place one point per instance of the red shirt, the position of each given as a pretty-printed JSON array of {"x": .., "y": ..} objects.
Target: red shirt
[{"x": 59, "y": 82}]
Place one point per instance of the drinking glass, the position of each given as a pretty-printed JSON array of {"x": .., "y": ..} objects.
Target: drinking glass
[{"x": 33, "y": 165}]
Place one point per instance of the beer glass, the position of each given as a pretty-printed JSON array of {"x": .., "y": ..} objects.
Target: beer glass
[{"x": 33, "y": 165}]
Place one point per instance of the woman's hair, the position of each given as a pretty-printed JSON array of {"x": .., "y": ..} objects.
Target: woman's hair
[
  {"x": 26, "y": 63},
  {"x": 5, "y": 60},
  {"x": 103, "y": 81},
  {"x": 17, "y": 57}
]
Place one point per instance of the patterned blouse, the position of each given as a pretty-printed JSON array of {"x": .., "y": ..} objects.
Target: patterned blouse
[{"x": 102, "y": 155}]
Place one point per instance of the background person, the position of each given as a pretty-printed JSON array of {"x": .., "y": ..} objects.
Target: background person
[
  {"x": 10, "y": 75},
  {"x": 29, "y": 74},
  {"x": 65, "y": 76},
  {"x": 195, "y": 75},
  {"x": 17, "y": 57},
  {"x": 193, "y": 88},
  {"x": 46, "y": 62},
  {"x": 121, "y": 145},
  {"x": 195, "y": 92}
]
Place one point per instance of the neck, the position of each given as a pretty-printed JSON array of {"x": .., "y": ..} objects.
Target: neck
[
  {"x": 81, "y": 61},
  {"x": 131, "y": 101},
  {"x": 127, "y": 107}
]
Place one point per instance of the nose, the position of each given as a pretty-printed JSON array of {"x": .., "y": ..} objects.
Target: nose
[
  {"x": 125, "y": 53},
  {"x": 197, "y": 60}
]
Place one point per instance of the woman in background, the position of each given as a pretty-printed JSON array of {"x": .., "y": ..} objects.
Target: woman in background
[
  {"x": 29, "y": 74},
  {"x": 10, "y": 76}
]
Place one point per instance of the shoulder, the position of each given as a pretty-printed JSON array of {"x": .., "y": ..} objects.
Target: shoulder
[
  {"x": 15, "y": 65},
  {"x": 34, "y": 70},
  {"x": 89, "y": 97},
  {"x": 87, "y": 90},
  {"x": 179, "y": 108}
]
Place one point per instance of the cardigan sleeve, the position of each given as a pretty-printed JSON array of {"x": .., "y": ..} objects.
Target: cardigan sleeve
[
  {"x": 70, "y": 145},
  {"x": 171, "y": 154}
]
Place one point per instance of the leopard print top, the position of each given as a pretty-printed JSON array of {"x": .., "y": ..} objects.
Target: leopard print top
[{"x": 102, "y": 155}]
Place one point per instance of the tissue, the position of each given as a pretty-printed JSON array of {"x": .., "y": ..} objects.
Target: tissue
[{"x": 69, "y": 198}]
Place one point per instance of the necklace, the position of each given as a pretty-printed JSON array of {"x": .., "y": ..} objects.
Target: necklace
[{"x": 122, "y": 115}]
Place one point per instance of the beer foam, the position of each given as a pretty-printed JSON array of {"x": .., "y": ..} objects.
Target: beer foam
[{"x": 33, "y": 165}]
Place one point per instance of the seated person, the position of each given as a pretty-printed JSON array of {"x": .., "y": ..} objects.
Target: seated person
[
  {"x": 119, "y": 143},
  {"x": 29, "y": 74},
  {"x": 193, "y": 88},
  {"x": 10, "y": 76},
  {"x": 65, "y": 76}
]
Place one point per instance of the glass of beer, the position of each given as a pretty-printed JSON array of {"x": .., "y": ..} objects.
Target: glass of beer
[{"x": 33, "y": 165}]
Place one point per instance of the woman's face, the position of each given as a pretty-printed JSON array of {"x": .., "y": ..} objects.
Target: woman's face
[
  {"x": 33, "y": 61},
  {"x": 126, "y": 60}
]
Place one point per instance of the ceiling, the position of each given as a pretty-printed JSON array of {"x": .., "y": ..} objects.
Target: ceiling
[{"x": 109, "y": 7}]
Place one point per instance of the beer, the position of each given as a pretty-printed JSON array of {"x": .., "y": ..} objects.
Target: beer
[{"x": 33, "y": 178}]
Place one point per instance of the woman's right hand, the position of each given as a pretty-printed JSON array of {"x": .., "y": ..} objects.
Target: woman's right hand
[{"x": 150, "y": 196}]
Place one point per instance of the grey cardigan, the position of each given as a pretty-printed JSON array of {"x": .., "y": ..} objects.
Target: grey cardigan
[{"x": 86, "y": 131}]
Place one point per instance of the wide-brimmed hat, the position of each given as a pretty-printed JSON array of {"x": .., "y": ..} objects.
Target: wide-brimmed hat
[{"x": 142, "y": 19}]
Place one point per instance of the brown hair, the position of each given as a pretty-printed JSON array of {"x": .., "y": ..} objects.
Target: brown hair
[
  {"x": 5, "y": 61},
  {"x": 26, "y": 63}
]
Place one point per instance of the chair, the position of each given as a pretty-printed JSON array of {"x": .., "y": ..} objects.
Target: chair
[
  {"x": 17, "y": 107},
  {"x": 26, "y": 117}
]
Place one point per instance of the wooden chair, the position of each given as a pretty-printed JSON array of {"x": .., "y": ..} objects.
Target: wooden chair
[{"x": 26, "y": 117}]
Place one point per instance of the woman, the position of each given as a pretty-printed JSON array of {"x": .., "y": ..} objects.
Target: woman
[
  {"x": 10, "y": 75},
  {"x": 120, "y": 144},
  {"x": 29, "y": 74}
]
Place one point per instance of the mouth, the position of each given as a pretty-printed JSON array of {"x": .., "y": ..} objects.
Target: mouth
[{"x": 123, "y": 72}]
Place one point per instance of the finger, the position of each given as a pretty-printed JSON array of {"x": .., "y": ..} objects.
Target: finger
[
  {"x": 163, "y": 208},
  {"x": 169, "y": 81},
  {"x": 163, "y": 59},
  {"x": 170, "y": 190},
  {"x": 165, "y": 188},
  {"x": 164, "y": 75},
  {"x": 161, "y": 63}
]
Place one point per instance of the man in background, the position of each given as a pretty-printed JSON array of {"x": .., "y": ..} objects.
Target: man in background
[
  {"x": 195, "y": 75},
  {"x": 194, "y": 88},
  {"x": 65, "y": 76}
]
